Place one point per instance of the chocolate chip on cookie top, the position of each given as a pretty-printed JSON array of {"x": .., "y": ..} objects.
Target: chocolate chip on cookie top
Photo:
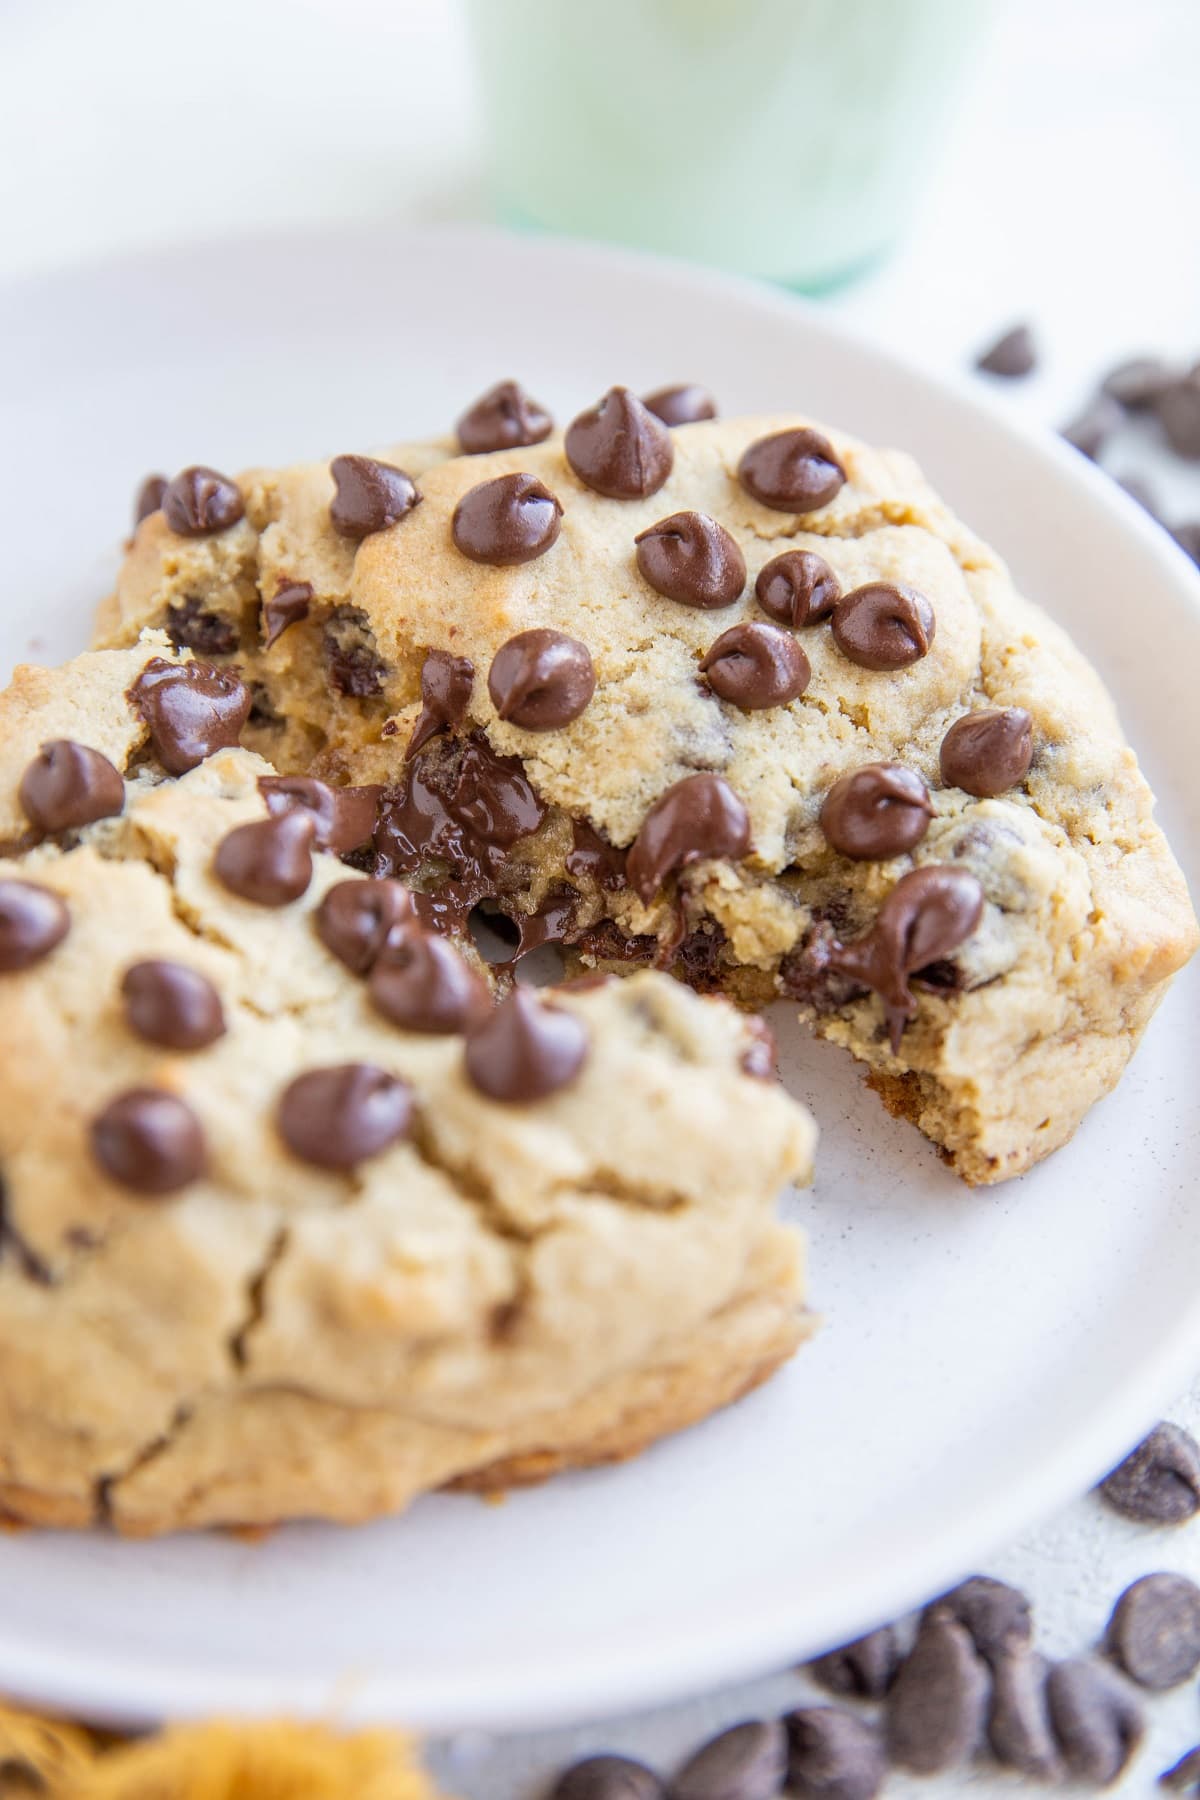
[
  {"x": 200, "y": 502},
  {"x": 356, "y": 918},
  {"x": 369, "y": 496},
  {"x": 269, "y": 861},
  {"x": 684, "y": 404},
  {"x": 342, "y": 1115},
  {"x": 505, "y": 418},
  {"x": 447, "y": 683},
  {"x": 190, "y": 709},
  {"x": 797, "y": 588},
  {"x": 699, "y": 817},
  {"x": 513, "y": 519},
  {"x": 343, "y": 817},
  {"x": 421, "y": 983},
  {"x": 149, "y": 498},
  {"x": 171, "y": 1005},
  {"x": 883, "y": 625},
  {"x": 608, "y": 1778},
  {"x": 618, "y": 448},
  {"x": 754, "y": 666},
  {"x": 289, "y": 606},
  {"x": 792, "y": 471},
  {"x": 525, "y": 1050},
  {"x": 541, "y": 679},
  {"x": 150, "y": 1141},
  {"x": 68, "y": 785},
  {"x": 986, "y": 753},
  {"x": 928, "y": 913},
  {"x": 34, "y": 920},
  {"x": 690, "y": 558},
  {"x": 876, "y": 812}
]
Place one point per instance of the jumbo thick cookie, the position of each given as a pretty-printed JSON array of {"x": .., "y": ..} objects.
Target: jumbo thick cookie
[
  {"x": 296, "y": 1221},
  {"x": 743, "y": 699}
]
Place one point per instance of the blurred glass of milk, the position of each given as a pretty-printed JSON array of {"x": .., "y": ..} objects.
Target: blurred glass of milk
[{"x": 783, "y": 138}]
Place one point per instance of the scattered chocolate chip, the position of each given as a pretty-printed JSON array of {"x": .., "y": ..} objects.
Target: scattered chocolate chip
[
  {"x": 525, "y": 1050},
  {"x": 553, "y": 922},
  {"x": 505, "y": 418},
  {"x": 190, "y": 710},
  {"x": 149, "y": 498},
  {"x": 1011, "y": 356},
  {"x": 883, "y": 625},
  {"x": 863, "y": 1670},
  {"x": 1187, "y": 536},
  {"x": 351, "y": 657},
  {"x": 289, "y": 606},
  {"x": 833, "y": 1756},
  {"x": 1178, "y": 409},
  {"x": 797, "y": 588},
  {"x": 369, "y": 496},
  {"x": 987, "y": 753},
  {"x": 343, "y": 818},
  {"x": 356, "y": 918},
  {"x": 447, "y": 683},
  {"x": 541, "y": 679},
  {"x": 33, "y": 921},
  {"x": 792, "y": 471},
  {"x": 67, "y": 785},
  {"x": 747, "y": 1762},
  {"x": 190, "y": 625},
  {"x": 755, "y": 666},
  {"x": 1185, "y": 1774},
  {"x": 171, "y": 1005},
  {"x": 1091, "y": 429},
  {"x": 593, "y": 858},
  {"x": 263, "y": 714},
  {"x": 1018, "y": 1729},
  {"x": 928, "y": 913},
  {"x": 697, "y": 818},
  {"x": 998, "y": 1617},
  {"x": 1159, "y": 1482},
  {"x": 938, "y": 1701},
  {"x": 618, "y": 448},
  {"x": 608, "y": 1778},
  {"x": 269, "y": 861},
  {"x": 1154, "y": 1631},
  {"x": 1137, "y": 382},
  {"x": 200, "y": 502},
  {"x": 684, "y": 404},
  {"x": 421, "y": 983},
  {"x": 150, "y": 1141},
  {"x": 340, "y": 1116},
  {"x": 1096, "y": 1720},
  {"x": 691, "y": 559},
  {"x": 875, "y": 812},
  {"x": 510, "y": 520}
]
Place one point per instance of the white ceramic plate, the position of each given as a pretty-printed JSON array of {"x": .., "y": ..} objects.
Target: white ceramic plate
[{"x": 986, "y": 1355}]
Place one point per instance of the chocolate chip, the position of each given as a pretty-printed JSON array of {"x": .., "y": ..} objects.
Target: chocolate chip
[
  {"x": 690, "y": 558},
  {"x": 190, "y": 710},
  {"x": 697, "y": 818},
  {"x": 343, "y": 818},
  {"x": 797, "y": 588},
  {"x": 1184, "y": 1775},
  {"x": 150, "y": 1141},
  {"x": 525, "y": 1050},
  {"x": 747, "y": 1762},
  {"x": 149, "y": 498},
  {"x": 354, "y": 664},
  {"x": 755, "y": 666},
  {"x": 1011, "y": 356},
  {"x": 938, "y": 1701},
  {"x": 987, "y": 753},
  {"x": 33, "y": 921},
  {"x": 875, "y": 812},
  {"x": 289, "y": 606},
  {"x": 1096, "y": 1720},
  {"x": 792, "y": 471},
  {"x": 684, "y": 404},
  {"x": 356, "y": 918},
  {"x": 1159, "y": 1482},
  {"x": 998, "y": 1617},
  {"x": 1154, "y": 1631},
  {"x": 593, "y": 858},
  {"x": 510, "y": 520},
  {"x": 190, "y": 625},
  {"x": 171, "y": 1005},
  {"x": 618, "y": 448},
  {"x": 369, "y": 496},
  {"x": 1091, "y": 429},
  {"x": 863, "y": 1670},
  {"x": 340, "y": 1116},
  {"x": 928, "y": 913},
  {"x": 1019, "y": 1732},
  {"x": 505, "y": 418},
  {"x": 447, "y": 683},
  {"x": 421, "y": 983},
  {"x": 833, "y": 1756},
  {"x": 200, "y": 502},
  {"x": 67, "y": 785},
  {"x": 608, "y": 1778},
  {"x": 883, "y": 625},
  {"x": 269, "y": 861},
  {"x": 541, "y": 679},
  {"x": 1137, "y": 382},
  {"x": 1178, "y": 409}
]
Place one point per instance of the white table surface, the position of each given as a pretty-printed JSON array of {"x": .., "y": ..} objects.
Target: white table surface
[{"x": 1069, "y": 195}]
